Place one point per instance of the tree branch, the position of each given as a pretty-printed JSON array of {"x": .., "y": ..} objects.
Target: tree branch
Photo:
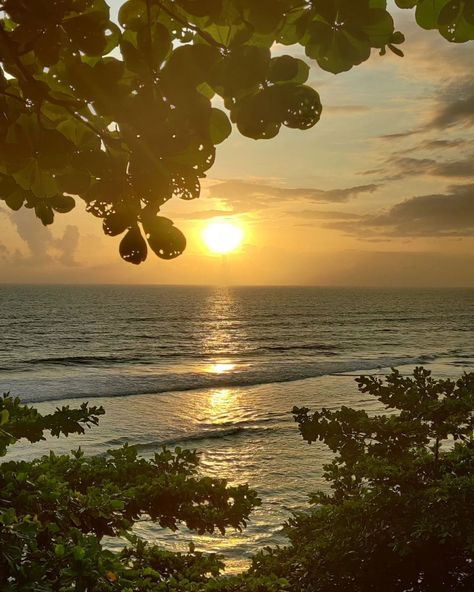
[{"x": 10, "y": 96}]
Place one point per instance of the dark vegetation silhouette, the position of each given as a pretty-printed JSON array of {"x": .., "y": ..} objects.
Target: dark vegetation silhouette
[
  {"x": 126, "y": 115},
  {"x": 55, "y": 511},
  {"x": 399, "y": 516}
]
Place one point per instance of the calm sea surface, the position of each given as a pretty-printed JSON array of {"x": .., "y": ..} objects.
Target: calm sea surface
[{"x": 219, "y": 369}]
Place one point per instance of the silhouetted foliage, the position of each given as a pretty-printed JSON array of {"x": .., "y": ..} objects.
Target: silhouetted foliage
[
  {"x": 55, "y": 511},
  {"x": 400, "y": 516},
  {"x": 123, "y": 116}
]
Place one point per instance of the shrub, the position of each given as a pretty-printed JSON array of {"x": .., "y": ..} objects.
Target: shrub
[
  {"x": 400, "y": 514},
  {"x": 55, "y": 511}
]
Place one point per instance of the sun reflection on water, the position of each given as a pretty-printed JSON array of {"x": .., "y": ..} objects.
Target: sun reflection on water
[
  {"x": 222, "y": 407},
  {"x": 221, "y": 367},
  {"x": 220, "y": 398}
]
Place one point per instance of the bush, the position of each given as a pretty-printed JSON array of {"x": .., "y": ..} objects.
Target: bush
[
  {"x": 400, "y": 516},
  {"x": 55, "y": 511}
]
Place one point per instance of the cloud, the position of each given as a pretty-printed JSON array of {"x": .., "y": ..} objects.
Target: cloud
[
  {"x": 442, "y": 215},
  {"x": 67, "y": 246},
  {"x": 400, "y": 167},
  {"x": 398, "y": 136},
  {"x": 244, "y": 196},
  {"x": 4, "y": 252},
  {"x": 430, "y": 145},
  {"x": 449, "y": 104},
  {"x": 443, "y": 144},
  {"x": 459, "y": 168},
  {"x": 324, "y": 215},
  {"x": 43, "y": 247},
  {"x": 36, "y": 236},
  {"x": 455, "y": 105}
]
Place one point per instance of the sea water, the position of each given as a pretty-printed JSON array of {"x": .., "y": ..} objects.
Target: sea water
[{"x": 218, "y": 370}]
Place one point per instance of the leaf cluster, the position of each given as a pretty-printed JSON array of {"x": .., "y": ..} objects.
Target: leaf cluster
[
  {"x": 127, "y": 115},
  {"x": 19, "y": 421}
]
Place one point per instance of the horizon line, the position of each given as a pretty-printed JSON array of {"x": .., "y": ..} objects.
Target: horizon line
[{"x": 322, "y": 286}]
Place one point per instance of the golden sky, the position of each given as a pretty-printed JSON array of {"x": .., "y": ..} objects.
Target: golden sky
[{"x": 379, "y": 193}]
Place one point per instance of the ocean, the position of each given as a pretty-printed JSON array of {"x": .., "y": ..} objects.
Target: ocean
[{"x": 218, "y": 369}]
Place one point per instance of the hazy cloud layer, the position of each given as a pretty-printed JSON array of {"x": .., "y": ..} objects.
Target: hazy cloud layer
[
  {"x": 244, "y": 196},
  {"x": 401, "y": 268},
  {"x": 443, "y": 215}
]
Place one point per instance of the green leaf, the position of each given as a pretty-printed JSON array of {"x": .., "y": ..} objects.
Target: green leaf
[
  {"x": 92, "y": 33},
  {"x": 133, "y": 14},
  {"x": 296, "y": 22},
  {"x": 454, "y": 22},
  {"x": 428, "y": 11},
  {"x": 302, "y": 106},
  {"x": 79, "y": 553},
  {"x": 15, "y": 199},
  {"x": 220, "y": 127},
  {"x": 4, "y": 416},
  {"x": 37, "y": 180},
  {"x": 44, "y": 212},
  {"x": 133, "y": 247},
  {"x": 11, "y": 193},
  {"x": 76, "y": 182},
  {"x": 78, "y": 133},
  {"x": 265, "y": 16},
  {"x": 62, "y": 203},
  {"x": 117, "y": 222},
  {"x": 406, "y": 3},
  {"x": 202, "y": 7},
  {"x": 288, "y": 69},
  {"x": 335, "y": 51},
  {"x": 164, "y": 239},
  {"x": 161, "y": 43}
]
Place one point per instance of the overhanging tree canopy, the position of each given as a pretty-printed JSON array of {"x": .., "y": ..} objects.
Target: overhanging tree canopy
[{"x": 127, "y": 115}]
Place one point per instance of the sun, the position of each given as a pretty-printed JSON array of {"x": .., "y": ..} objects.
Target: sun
[{"x": 222, "y": 237}]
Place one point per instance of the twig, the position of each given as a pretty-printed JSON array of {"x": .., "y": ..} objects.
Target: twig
[{"x": 16, "y": 97}]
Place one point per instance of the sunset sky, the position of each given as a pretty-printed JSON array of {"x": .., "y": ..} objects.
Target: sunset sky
[{"x": 379, "y": 193}]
